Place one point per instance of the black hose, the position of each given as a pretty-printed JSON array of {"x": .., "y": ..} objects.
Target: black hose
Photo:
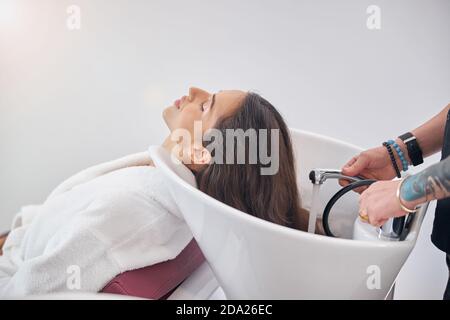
[{"x": 339, "y": 194}]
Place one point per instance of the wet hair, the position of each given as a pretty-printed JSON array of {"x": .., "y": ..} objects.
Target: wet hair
[{"x": 274, "y": 197}]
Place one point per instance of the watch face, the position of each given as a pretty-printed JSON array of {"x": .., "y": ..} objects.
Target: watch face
[
  {"x": 406, "y": 136},
  {"x": 413, "y": 148},
  {"x": 414, "y": 151}
]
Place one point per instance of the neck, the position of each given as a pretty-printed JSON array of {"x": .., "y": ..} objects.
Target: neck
[{"x": 168, "y": 144}]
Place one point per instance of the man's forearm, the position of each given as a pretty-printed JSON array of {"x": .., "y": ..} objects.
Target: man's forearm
[
  {"x": 430, "y": 135},
  {"x": 433, "y": 183}
]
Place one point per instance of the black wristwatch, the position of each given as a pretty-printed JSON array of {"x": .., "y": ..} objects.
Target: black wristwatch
[{"x": 414, "y": 151}]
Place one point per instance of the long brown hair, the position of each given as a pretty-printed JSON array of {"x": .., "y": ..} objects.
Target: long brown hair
[{"x": 273, "y": 198}]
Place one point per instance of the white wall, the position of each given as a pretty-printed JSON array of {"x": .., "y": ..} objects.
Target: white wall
[{"x": 71, "y": 99}]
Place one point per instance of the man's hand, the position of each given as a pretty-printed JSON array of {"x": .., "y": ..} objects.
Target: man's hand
[
  {"x": 379, "y": 202},
  {"x": 374, "y": 164}
]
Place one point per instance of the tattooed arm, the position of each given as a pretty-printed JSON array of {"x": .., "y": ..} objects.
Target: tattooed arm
[
  {"x": 379, "y": 202},
  {"x": 376, "y": 164},
  {"x": 433, "y": 183}
]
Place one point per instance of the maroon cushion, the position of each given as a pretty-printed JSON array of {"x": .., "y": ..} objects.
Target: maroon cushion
[{"x": 159, "y": 280}]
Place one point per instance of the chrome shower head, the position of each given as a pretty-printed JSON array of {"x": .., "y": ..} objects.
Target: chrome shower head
[{"x": 319, "y": 176}]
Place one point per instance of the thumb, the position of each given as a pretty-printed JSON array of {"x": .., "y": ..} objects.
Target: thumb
[{"x": 355, "y": 166}]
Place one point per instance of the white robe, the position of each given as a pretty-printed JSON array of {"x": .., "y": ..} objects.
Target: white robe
[{"x": 107, "y": 219}]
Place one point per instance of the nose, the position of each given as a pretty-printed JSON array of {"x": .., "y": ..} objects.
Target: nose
[{"x": 197, "y": 92}]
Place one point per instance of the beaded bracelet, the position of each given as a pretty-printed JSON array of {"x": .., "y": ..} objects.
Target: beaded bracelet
[
  {"x": 399, "y": 153},
  {"x": 391, "y": 155}
]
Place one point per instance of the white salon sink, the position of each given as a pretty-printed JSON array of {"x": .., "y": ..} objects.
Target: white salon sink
[{"x": 255, "y": 259}]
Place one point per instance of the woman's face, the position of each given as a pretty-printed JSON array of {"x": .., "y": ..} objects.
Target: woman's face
[{"x": 202, "y": 106}]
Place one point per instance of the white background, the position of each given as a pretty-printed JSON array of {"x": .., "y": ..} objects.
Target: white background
[{"x": 71, "y": 99}]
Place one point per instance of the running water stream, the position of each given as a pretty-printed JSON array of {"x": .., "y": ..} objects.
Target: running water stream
[{"x": 314, "y": 208}]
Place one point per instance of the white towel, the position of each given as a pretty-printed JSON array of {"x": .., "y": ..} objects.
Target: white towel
[{"x": 107, "y": 219}]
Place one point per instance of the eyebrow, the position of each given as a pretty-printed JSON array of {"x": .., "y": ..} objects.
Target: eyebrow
[{"x": 213, "y": 101}]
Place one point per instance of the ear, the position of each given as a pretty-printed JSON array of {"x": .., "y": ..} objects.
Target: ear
[{"x": 200, "y": 155}]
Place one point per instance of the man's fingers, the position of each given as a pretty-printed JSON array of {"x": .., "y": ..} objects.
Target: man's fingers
[
  {"x": 344, "y": 182},
  {"x": 345, "y": 168},
  {"x": 351, "y": 162},
  {"x": 355, "y": 166},
  {"x": 361, "y": 189},
  {"x": 377, "y": 222}
]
